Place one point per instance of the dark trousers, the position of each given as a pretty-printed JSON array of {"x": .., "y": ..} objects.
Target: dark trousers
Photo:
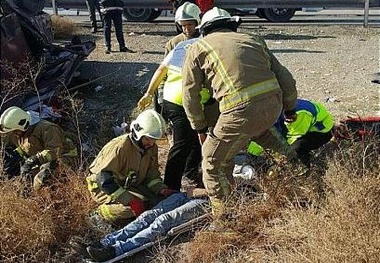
[
  {"x": 185, "y": 155},
  {"x": 310, "y": 141},
  {"x": 116, "y": 17},
  {"x": 92, "y": 6}
]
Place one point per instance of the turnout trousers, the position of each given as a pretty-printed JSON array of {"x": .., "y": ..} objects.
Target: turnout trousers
[{"x": 233, "y": 130}]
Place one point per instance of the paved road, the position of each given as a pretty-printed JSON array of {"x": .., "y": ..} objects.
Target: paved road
[{"x": 324, "y": 17}]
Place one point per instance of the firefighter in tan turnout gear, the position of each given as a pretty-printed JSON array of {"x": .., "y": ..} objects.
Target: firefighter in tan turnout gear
[
  {"x": 124, "y": 178},
  {"x": 187, "y": 17},
  {"x": 252, "y": 89},
  {"x": 40, "y": 144}
]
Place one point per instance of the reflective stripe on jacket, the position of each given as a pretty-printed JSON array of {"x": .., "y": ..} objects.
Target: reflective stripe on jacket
[
  {"x": 46, "y": 140},
  {"x": 173, "y": 83},
  {"x": 238, "y": 67},
  {"x": 311, "y": 117},
  {"x": 122, "y": 158}
]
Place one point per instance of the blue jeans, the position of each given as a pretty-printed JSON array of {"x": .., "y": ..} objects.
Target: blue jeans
[{"x": 171, "y": 212}]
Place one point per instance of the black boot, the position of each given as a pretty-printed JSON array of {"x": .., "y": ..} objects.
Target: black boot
[
  {"x": 101, "y": 254},
  {"x": 80, "y": 246}
]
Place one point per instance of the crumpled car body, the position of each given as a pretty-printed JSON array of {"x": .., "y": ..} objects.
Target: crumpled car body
[{"x": 26, "y": 34}]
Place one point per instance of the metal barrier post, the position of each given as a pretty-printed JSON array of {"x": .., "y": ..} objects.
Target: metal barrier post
[
  {"x": 55, "y": 8},
  {"x": 366, "y": 12}
]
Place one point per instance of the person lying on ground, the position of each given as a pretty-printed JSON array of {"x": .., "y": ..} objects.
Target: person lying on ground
[{"x": 150, "y": 226}]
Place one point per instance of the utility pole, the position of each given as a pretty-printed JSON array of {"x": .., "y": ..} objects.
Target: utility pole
[{"x": 366, "y": 12}]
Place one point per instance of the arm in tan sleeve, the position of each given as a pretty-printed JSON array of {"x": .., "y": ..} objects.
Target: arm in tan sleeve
[
  {"x": 192, "y": 82},
  {"x": 286, "y": 81},
  {"x": 53, "y": 140}
]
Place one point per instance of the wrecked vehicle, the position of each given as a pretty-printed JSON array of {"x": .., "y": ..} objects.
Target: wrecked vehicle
[{"x": 27, "y": 39}]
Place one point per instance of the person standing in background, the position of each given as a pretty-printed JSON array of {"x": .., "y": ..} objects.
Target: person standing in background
[
  {"x": 113, "y": 11},
  {"x": 92, "y": 6}
]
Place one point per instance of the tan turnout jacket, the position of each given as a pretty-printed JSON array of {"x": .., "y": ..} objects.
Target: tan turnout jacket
[
  {"x": 238, "y": 67},
  {"x": 45, "y": 139},
  {"x": 121, "y": 157}
]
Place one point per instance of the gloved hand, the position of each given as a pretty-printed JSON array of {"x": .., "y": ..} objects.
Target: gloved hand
[
  {"x": 145, "y": 101},
  {"x": 28, "y": 165},
  {"x": 167, "y": 191},
  {"x": 137, "y": 206}
]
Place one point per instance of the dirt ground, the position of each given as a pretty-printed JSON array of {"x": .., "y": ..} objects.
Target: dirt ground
[{"x": 332, "y": 64}]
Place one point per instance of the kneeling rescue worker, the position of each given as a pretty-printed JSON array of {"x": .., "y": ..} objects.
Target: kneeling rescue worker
[
  {"x": 40, "y": 143},
  {"x": 124, "y": 178}
]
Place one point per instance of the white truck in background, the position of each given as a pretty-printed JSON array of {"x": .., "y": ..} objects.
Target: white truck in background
[{"x": 271, "y": 10}]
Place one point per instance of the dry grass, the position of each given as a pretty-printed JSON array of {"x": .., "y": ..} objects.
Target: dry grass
[
  {"x": 291, "y": 223},
  {"x": 343, "y": 226},
  {"x": 35, "y": 226},
  {"x": 63, "y": 28}
]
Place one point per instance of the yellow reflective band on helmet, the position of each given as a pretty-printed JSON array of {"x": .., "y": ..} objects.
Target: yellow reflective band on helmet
[
  {"x": 153, "y": 182},
  {"x": 234, "y": 99},
  {"x": 105, "y": 213},
  {"x": 213, "y": 56},
  {"x": 117, "y": 193}
]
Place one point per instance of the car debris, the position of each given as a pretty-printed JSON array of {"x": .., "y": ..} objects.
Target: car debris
[{"x": 27, "y": 37}]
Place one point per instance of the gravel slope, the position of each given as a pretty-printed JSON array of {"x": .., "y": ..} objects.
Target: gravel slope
[{"x": 332, "y": 64}]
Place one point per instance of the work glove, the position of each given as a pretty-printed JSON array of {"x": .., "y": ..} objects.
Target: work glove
[
  {"x": 137, "y": 206},
  {"x": 290, "y": 115},
  {"x": 167, "y": 192},
  {"x": 28, "y": 165},
  {"x": 145, "y": 101}
]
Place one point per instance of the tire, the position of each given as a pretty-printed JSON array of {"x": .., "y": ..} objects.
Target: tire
[
  {"x": 155, "y": 14},
  {"x": 137, "y": 14},
  {"x": 260, "y": 13},
  {"x": 278, "y": 14}
]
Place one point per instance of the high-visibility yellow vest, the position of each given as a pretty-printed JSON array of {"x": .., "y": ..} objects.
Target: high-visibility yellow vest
[
  {"x": 311, "y": 117},
  {"x": 173, "y": 83}
]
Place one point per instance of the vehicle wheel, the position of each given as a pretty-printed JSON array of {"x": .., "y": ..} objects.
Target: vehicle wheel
[
  {"x": 260, "y": 13},
  {"x": 137, "y": 14},
  {"x": 155, "y": 13},
  {"x": 278, "y": 14}
]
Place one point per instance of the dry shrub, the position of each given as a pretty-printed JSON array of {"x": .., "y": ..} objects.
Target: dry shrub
[
  {"x": 331, "y": 218},
  {"x": 63, "y": 27},
  {"x": 345, "y": 229},
  {"x": 36, "y": 226},
  {"x": 214, "y": 247}
]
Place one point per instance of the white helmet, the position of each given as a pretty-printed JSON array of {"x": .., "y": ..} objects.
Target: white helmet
[
  {"x": 188, "y": 12},
  {"x": 14, "y": 119},
  {"x": 149, "y": 123},
  {"x": 216, "y": 16}
]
